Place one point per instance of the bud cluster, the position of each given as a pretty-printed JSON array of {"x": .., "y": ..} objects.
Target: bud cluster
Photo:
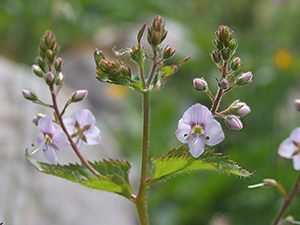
[
  {"x": 156, "y": 32},
  {"x": 117, "y": 72},
  {"x": 47, "y": 64},
  {"x": 224, "y": 58},
  {"x": 113, "y": 71}
]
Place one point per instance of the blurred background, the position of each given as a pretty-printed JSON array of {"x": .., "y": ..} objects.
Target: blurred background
[{"x": 268, "y": 33}]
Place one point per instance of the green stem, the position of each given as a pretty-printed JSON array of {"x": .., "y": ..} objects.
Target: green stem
[
  {"x": 287, "y": 201},
  {"x": 150, "y": 78},
  {"x": 140, "y": 200}
]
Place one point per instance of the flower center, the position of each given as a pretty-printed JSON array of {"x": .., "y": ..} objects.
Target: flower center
[
  {"x": 48, "y": 141},
  {"x": 197, "y": 130},
  {"x": 298, "y": 149}
]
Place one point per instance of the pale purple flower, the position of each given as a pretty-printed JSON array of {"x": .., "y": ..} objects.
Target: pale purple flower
[
  {"x": 197, "y": 127},
  {"x": 51, "y": 140},
  {"x": 82, "y": 122},
  {"x": 290, "y": 148}
]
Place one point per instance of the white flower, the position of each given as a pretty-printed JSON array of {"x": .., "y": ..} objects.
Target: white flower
[
  {"x": 290, "y": 148},
  {"x": 51, "y": 140},
  {"x": 197, "y": 127},
  {"x": 82, "y": 123}
]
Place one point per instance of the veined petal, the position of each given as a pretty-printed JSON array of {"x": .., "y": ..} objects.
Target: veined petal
[
  {"x": 197, "y": 114},
  {"x": 214, "y": 132},
  {"x": 84, "y": 117},
  {"x": 287, "y": 148},
  {"x": 196, "y": 145},
  {"x": 93, "y": 136},
  {"x": 60, "y": 140},
  {"x": 45, "y": 125},
  {"x": 50, "y": 155},
  {"x": 183, "y": 131}
]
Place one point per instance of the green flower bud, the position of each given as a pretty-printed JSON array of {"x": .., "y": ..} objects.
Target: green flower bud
[
  {"x": 29, "y": 95},
  {"x": 37, "y": 70},
  {"x": 58, "y": 64},
  {"x": 49, "y": 78},
  {"x": 168, "y": 52},
  {"x": 216, "y": 56},
  {"x": 50, "y": 55},
  {"x": 59, "y": 79},
  {"x": 235, "y": 63},
  {"x": 223, "y": 83},
  {"x": 78, "y": 95}
]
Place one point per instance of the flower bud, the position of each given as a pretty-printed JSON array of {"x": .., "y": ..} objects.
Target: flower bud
[
  {"x": 223, "y": 84},
  {"x": 29, "y": 95},
  {"x": 235, "y": 63},
  {"x": 200, "y": 84},
  {"x": 225, "y": 53},
  {"x": 38, "y": 71},
  {"x": 233, "y": 122},
  {"x": 78, "y": 95},
  {"x": 50, "y": 55},
  {"x": 41, "y": 63},
  {"x": 216, "y": 56},
  {"x": 239, "y": 108},
  {"x": 244, "y": 78},
  {"x": 169, "y": 51},
  {"x": 59, "y": 79},
  {"x": 266, "y": 183},
  {"x": 37, "y": 117},
  {"x": 49, "y": 78},
  {"x": 232, "y": 45},
  {"x": 58, "y": 64},
  {"x": 297, "y": 104}
]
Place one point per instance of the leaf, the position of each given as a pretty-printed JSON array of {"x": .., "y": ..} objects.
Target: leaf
[
  {"x": 113, "y": 178},
  {"x": 179, "y": 161}
]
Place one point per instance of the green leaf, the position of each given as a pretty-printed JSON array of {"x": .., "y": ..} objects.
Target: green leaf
[
  {"x": 113, "y": 178},
  {"x": 179, "y": 161}
]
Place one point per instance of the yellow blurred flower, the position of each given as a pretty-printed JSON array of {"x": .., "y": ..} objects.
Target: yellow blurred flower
[
  {"x": 283, "y": 59},
  {"x": 115, "y": 92}
]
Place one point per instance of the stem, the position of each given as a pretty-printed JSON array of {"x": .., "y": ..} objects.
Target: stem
[
  {"x": 153, "y": 68},
  {"x": 288, "y": 200},
  {"x": 73, "y": 145},
  {"x": 141, "y": 196},
  {"x": 220, "y": 92}
]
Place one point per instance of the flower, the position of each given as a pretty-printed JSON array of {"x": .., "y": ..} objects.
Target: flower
[
  {"x": 51, "y": 140},
  {"x": 200, "y": 84},
  {"x": 290, "y": 148},
  {"x": 197, "y": 127},
  {"x": 82, "y": 124}
]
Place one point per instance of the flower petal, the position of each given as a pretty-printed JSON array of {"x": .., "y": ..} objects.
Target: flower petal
[
  {"x": 83, "y": 117},
  {"x": 295, "y": 135},
  {"x": 214, "y": 132},
  {"x": 287, "y": 148},
  {"x": 197, "y": 114},
  {"x": 50, "y": 155},
  {"x": 183, "y": 131},
  {"x": 70, "y": 125},
  {"x": 60, "y": 140},
  {"x": 196, "y": 145},
  {"x": 296, "y": 162},
  {"x": 45, "y": 125},
  {"x": 92, "y": 136}
]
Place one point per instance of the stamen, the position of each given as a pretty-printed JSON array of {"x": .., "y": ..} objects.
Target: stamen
[
  {"x": 35, "y": 150},
  {"x": 207, "y": 137}
]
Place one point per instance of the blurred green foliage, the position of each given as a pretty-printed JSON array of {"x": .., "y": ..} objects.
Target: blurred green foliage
[{"x": 268, "y": 35}]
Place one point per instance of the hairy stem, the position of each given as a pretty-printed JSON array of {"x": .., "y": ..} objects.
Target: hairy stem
[
  {"x": 63, "y": 127},
  {"x": 287, "y": 201},
  {"x": 220, "y": 92},
  {"x": 141, "y": 197}
]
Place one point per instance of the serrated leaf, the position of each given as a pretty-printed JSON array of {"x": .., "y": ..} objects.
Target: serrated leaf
[
  {"x": 179, "y": 161},
  {"x": 113, "y": 178}
]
